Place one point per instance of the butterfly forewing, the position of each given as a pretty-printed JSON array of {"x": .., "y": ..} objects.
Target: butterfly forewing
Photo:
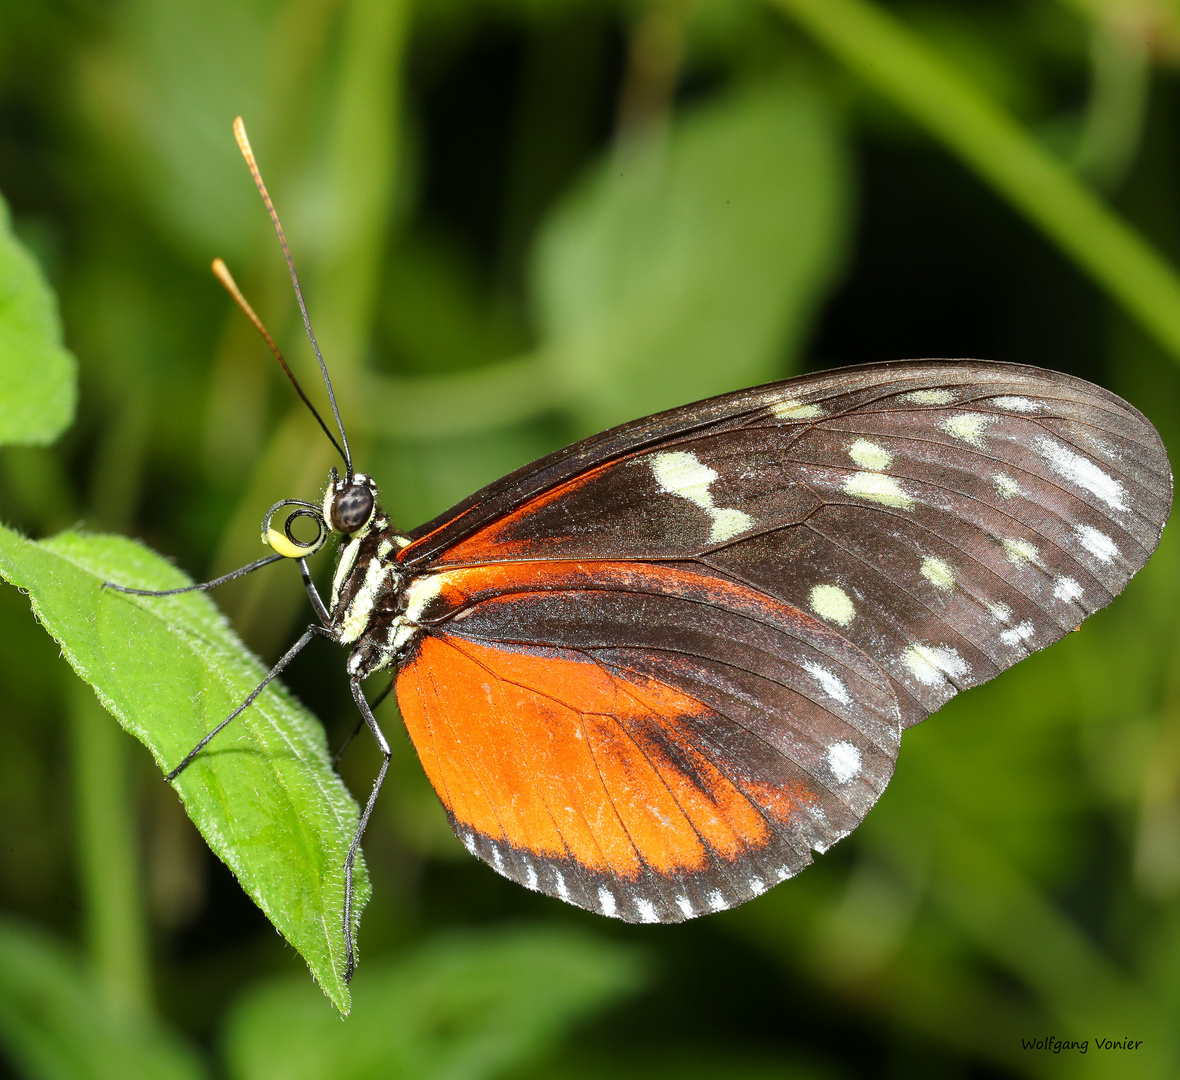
[{"x": 862, "y": 544}]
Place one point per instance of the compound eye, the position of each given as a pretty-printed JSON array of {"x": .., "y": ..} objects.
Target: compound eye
[{"x": 352, "y": 508}]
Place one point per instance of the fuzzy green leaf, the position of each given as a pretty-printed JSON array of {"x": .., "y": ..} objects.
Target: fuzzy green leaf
[
  {"x": 263, "y": 794},
  {"x": 38, "y": 384}
]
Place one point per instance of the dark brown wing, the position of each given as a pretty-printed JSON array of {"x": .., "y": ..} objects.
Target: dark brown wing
[{"x": 947, "y": 517}]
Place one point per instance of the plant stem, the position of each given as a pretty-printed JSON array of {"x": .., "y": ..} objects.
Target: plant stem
[
  {"x": 888, "y": 56},
  {"x": 108, "y": 854}
]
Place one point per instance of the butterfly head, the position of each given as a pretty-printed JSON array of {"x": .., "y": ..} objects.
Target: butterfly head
[{"x": 349, "y": 503}]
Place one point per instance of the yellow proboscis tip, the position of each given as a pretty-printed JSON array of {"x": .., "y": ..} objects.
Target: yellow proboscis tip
[{"x": 281, "y": 544}]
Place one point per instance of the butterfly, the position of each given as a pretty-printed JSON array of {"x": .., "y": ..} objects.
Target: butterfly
[{"x": 652, "y": 673}]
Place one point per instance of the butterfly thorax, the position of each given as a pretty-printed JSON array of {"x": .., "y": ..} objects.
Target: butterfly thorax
[{"x": 368, "y": 599}]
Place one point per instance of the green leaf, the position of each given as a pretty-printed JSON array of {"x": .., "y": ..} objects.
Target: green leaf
[
  {"x": 55, "y": 1025},
  {"x": 689, "y": 267},
  {"x": 263, "y": 794},
  {"x": 467, "y": 1007},
  {"x": 38, "y": 385}
]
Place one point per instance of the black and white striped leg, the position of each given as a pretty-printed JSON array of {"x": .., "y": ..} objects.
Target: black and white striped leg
[
  {"x": 358, "y": 696},
  {"x": 361, "y": 723},
  {"x": 284, "y": 660}
]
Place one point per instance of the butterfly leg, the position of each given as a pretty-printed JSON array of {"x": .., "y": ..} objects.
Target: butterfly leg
[
  {"x": 284, "y": 660},
  {"x": 358, "y": 696},
  {"x": 360, "y": 724}
]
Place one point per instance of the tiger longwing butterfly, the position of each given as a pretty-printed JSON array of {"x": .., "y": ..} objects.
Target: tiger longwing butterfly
[{"x": 651, "y": 673}]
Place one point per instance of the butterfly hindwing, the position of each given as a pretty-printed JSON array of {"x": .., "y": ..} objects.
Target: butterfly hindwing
[{"x": 648, "y": 741}]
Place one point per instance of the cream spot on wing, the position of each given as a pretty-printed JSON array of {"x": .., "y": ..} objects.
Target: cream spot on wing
[
  {"x": 1020, "y": 552},
  {"x": 646, "y": 910},
  {"x": 1016, "y": 404},
  {"x": 1082, "y": 472},
  {"x": 870, "y": 455},
  {"x": 1097, "y": 543},
  {"x": 791, "y": 409},
  {"x": 999, "y": 612},
  {"x": 832, "y": 603},
  {"x": 938, "y": 573},
  {"x": 831, "y": 685},
  {"x": 967, "y": 427},
  {"x": 685, "y": 905},
  {"x": 1065, "y": 588},
  {"x": 562, "y": 890},
  {"x": 1006, "y": 487},
  {"x": 1017, "y": 634},
  {"x": 606, "y": 900},
  {"x": 930, "y": 664},
  {"x": 531, "y": 871},
  {"x": 928, "y": 397},
  {"x": 844, "y": 761},
  {"x": 876, "y": 487},
  {"x": 684, "y": 474},
  {"x": 716, "y": 901},
  {"x": 757, "y": 886}
]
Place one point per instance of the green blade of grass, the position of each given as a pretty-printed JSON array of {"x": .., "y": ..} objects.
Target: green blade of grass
[
  {"x": 263, "y": 794},
  {"x": 883, "y": 52}
]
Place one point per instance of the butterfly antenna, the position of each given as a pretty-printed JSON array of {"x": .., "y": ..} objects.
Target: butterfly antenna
[
  {"x": 231, "y": 287},
  {"x": 248, "y": 154}
]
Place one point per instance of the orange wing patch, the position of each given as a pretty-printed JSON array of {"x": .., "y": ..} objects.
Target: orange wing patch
[{"x": 564, "y": 758}]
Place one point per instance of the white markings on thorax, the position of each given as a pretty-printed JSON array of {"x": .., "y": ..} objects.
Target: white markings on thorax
[
  {"x": 360, "y": 608},
  {"x": 1082, "y": 472},
  {"x": 344, "y": 566},
  {"x": 681, "y": 473}
]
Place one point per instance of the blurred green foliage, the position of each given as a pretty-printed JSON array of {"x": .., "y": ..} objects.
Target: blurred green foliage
[{"x": 516, "y": 221}]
